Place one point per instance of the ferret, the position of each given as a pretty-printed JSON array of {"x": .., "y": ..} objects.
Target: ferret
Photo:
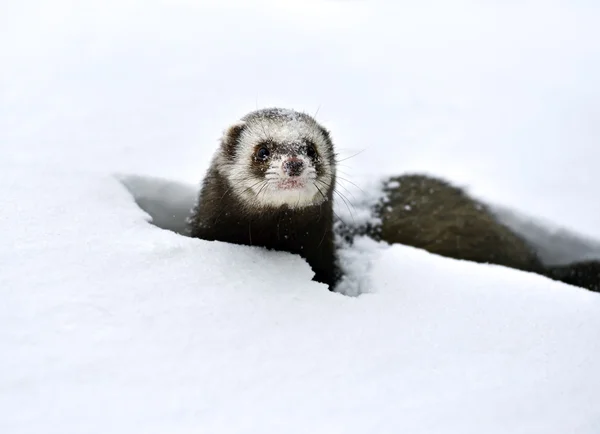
[{"x": 270, "y": 184}]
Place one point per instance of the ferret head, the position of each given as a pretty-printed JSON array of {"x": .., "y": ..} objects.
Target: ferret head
[{"x": 276, "y": 157}]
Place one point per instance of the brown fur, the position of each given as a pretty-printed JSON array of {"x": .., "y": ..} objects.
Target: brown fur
[{"x": 433, "y": 215}]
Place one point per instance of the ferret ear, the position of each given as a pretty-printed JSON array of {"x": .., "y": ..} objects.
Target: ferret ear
[{"x": 231, "y": 137}]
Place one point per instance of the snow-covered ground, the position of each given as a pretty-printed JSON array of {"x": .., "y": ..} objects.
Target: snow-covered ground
[{"x": 109, "y": 324}]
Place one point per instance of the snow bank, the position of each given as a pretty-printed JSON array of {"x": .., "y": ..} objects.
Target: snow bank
[{"x": 112, "y": 324}]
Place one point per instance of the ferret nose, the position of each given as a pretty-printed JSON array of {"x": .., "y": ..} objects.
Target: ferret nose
[{"x": 293, "y": 167}]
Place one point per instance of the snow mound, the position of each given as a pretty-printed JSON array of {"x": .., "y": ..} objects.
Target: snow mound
[{"x": 113, "y": 324}]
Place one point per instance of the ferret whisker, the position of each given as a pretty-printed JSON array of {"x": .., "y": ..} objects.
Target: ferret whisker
[
  {"x": 350, "y": 182},
  {"x": 348, "y": 205},
  {"x": 317, "y": 112},
  {"x": 347, "y": 158},
  {"x": 344, "y": 199},
  {"x": 253, "y": 185},
  {"x": 332, "y": 210},
  {"x": 261, "y": 189},
  {"x": 347, "y": 191}
]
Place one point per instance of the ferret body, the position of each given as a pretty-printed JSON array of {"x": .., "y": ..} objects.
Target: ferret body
[{"x": 429, "y": 213}]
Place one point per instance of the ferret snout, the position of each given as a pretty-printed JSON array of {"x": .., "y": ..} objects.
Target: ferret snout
[{"x": 293, "y": 166}]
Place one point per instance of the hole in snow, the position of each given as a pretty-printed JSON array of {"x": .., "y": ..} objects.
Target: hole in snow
[{"x": 167, "y": 202}]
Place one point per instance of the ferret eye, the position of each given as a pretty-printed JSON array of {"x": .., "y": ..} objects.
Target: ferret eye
[
  {"x": 263, "y": 153},
  {"x": 311, "y": 152}
]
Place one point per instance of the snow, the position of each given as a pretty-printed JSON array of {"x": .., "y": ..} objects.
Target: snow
[{"x": 109, "y": 111}]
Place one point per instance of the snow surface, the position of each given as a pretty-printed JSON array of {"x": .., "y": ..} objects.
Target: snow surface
[{"x": 110, "y": 324}]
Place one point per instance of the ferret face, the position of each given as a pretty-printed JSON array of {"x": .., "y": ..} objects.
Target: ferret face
[{"x": 276, "y": 157}]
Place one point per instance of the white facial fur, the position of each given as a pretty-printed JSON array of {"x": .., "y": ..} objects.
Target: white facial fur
[{"x": 274, "y": 187}]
